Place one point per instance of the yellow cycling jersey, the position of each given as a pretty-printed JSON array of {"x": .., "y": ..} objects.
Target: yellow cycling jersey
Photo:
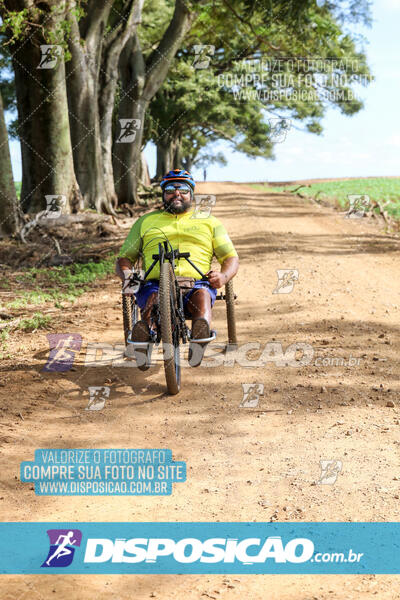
[{"x": 202, "y": 236}]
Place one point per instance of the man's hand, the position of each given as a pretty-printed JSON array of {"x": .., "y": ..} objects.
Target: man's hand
[
  {"x": 229, "y": 269},
  {"x": 217, "y": 279},
  {"x": 129, "y": 287}
]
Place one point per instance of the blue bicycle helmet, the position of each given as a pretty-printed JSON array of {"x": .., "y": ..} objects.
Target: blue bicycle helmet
[{"x": 178, "y": 175}]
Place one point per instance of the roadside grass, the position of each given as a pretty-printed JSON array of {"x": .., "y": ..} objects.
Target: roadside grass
[
  {"x": 4, "y": 352},
  {"x": 384, "y": 190},
  {"x": 269, "y": 188},
  {"x": 37, "y": 321},
  {"x": 58, "y": 284},
  {"x": 27, "y": 325},
  {"x": 48, "y": 285}
]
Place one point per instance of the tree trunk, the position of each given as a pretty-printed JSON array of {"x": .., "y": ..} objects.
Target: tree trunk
[
  {"x": 8, "y": 196},
  {"x": 144, "y": 171},
  {"x": 47, "y": 163},
  {"x": 126, "y": 155},
  {"x": 82, "y": 84},
  {"x": 164, "y": 156},
  {"x": 112, "y": 48},
  {"x": 187, "y": 163},
  {"x": 140, "y": 82},
  {"x": 177, "y": 154}
]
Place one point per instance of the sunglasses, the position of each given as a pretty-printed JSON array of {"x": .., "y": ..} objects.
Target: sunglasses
[{"x": 183, "y": 189}]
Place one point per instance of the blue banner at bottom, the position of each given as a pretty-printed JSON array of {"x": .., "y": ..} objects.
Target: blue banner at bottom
[{"x": 195, "y": 548}]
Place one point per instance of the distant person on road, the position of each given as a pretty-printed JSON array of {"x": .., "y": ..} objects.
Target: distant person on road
[
  {"x": 204, "y": 174},
  {"x": 203, "y": 237}
]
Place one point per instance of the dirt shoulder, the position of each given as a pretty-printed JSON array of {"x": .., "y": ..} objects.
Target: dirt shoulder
[{"x": 244, "y": 464}]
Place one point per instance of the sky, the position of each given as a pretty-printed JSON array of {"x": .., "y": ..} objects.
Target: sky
[{"x": 366, "y": 144}]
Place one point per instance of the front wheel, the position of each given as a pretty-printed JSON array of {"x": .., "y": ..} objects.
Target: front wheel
[{"x": 169, "y": 329}]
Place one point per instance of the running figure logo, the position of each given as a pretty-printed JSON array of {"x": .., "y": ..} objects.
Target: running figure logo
[
  {"x": 55, "y": 204},
  {"x": 278, "y": 129},
  {"x": 63, "y": 347},
  {"x": 50, "y": 56},
  {"x": 330, "y": 470},
  {"x": 129, "y": 129},
  {"x": 358, "y": 206},
  {"x": 203, "y": 54},
  {"x": 62, "y": 542},
  {"x": 203, "y": 205},
  {"x": 98, "y": 396},
  {"x": 286, "y": 280},
  {"x": 251, "y": 394}
]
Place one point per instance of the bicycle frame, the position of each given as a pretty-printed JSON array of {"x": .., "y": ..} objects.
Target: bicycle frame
[{"x": 169, "y": 254}]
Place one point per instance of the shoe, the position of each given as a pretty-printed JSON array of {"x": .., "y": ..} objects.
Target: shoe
[
  {"x": 141, "y": 333},
  {"x": 200, "y": 331}
]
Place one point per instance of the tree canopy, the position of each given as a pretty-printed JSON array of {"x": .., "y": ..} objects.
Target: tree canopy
[{"x": 92, "y": 81}]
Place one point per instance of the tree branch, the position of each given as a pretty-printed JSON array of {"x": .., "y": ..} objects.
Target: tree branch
[
  {"x": 250, "y": 26},
  {"x": 160, "y": 60}
]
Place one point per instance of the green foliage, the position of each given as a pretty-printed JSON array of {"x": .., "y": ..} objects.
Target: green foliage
[
  {"x": 155, "y": 18},
  {"x": 37, "y": 321},
  {"x": 42, "y": 22},
  {"x": 15, "y": 21},
  {"x": 60, "y": 284},
  {"x": 385, "y": 190},
  {"x": 4, "y": 335},
  {"x": 234, "y": 96}
]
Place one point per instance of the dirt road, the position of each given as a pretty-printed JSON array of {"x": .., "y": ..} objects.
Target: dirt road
[{"x": 244, "y": 464}]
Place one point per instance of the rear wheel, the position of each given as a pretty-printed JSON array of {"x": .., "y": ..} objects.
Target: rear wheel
[
  {"x": 230, "y": 314},
  {"x": 169, "y": 329}
]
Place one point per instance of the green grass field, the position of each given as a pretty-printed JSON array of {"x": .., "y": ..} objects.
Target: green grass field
[{"x": 382, "y": 189}]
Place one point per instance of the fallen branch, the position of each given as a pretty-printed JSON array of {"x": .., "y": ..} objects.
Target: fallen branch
[
  {"x": 383, "y": 213},
  {"x": 10, "y": 323},
  {"x": 299, "y": 188}
]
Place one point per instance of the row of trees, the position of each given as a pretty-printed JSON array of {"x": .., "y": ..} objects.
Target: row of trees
[{"x": 93, "y": 81}]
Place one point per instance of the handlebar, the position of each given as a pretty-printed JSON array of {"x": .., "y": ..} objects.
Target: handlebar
[{"x": 171, "y": 255}]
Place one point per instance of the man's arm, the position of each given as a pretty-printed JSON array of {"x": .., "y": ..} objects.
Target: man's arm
[
  {"x": 123, "y": 264},
  {"x": 129, "y": 251},
  {"x": 229, "y": 268}
]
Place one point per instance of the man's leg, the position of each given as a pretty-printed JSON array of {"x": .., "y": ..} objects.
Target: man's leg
[
  {"x": 146, "y": 312},
  {"x": 141, "y": 332},
  {"x": 199, "y": 305}
]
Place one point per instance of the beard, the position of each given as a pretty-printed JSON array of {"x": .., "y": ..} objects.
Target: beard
[{"x": 180, "y": 206}]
